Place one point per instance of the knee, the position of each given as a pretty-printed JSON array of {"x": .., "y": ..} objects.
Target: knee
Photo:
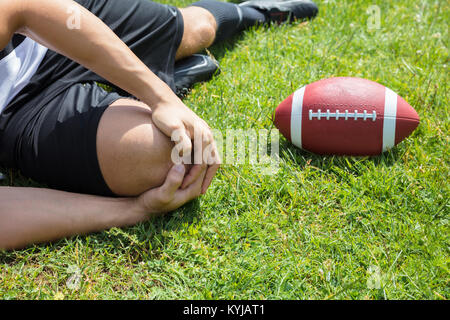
[
  {"x": 206, "y": 32},
  {"x": 200, "y": 26},
  {"x": 134, "y": 156}
]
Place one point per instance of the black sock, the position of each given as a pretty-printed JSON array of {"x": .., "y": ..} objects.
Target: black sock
[{"x": 230, "y": 18}]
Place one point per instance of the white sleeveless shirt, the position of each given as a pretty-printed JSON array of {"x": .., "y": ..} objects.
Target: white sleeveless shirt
[{"x": 19, "y": 62}]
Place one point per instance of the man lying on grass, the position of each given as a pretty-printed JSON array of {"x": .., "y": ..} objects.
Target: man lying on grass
[{"x": 109, "y": 152}]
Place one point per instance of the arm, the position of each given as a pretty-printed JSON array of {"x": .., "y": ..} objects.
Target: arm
[
  {"x": 95, "y": 46},
  {"x": 29, "y": 215}
]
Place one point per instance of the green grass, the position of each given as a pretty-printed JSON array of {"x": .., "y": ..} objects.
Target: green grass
[{"x": 322, "y": 227}]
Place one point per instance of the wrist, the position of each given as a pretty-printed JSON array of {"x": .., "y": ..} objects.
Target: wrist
[
  {"x": 156, "y": 94},
  {"x": 134, "y": 212},
  {"x": 138, "y": 210},
  {"x": 124, "y": 212},
  {"x": 162, "y": 102}
]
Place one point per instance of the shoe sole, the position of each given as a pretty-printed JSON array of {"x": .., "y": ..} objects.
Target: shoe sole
[
  {"x": 186, "y": 76},
  {"x": 280, "y": 10}
]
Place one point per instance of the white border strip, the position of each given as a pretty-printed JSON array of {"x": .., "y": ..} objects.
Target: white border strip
[
  {"x": 296, "y": 117},
  {"x": 390, "y": 117}
]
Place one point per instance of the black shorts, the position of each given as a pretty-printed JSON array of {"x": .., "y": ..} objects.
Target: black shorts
[{"x": 49, "y": 130}]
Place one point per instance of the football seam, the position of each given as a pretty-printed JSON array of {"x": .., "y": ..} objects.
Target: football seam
[{"x": 378, "y": 117}]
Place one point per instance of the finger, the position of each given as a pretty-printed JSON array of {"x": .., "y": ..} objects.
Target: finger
[
  {"x": 214, "y": 161},
  {"x": 193, "y": 175},
  {"x": 173, "y": 181},
  {"x": 210, "y": 173},
  {"x": 209, "y": 148},
  {"x": 207, "y": 137},
  {"x": 199, "y": 163},
  {"x": 193, "y": 191},
  {"x": 211, "y": 155},
  {"x": 198, "y": 145},
  {"x": 200, "y": 132},
  {"x": 186, "y": 147},
  {"x": 204, "y": 144},
  {"x": 167, "y": 126},
  {"x": 197, "y": 185},
  {"x": 180, "y": 136}
]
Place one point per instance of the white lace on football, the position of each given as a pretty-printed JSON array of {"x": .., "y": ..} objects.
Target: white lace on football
[{"x": 344, "y": 115}]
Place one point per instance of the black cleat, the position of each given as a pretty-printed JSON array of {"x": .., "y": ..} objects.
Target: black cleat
[
  {"x": 193, "y": 69},
  {"x": 284, "y": 10}
]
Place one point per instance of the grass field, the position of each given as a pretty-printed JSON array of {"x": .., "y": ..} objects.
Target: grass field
[{"x": 321, "y": 227}]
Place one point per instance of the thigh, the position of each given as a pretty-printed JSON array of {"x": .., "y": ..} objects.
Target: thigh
[{"x": 55, "y": 143}]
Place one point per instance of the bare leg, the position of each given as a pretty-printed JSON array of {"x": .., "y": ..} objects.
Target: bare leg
[
  {"x": 199, "y": 31},
  {"x": 134, "y": 155}
]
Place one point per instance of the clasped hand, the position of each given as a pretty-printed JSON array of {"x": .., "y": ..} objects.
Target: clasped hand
[{"x": 184, "y": 181}]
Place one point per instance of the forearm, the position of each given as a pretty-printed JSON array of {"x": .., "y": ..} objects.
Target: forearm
[
  {"x": 93, "y": 45},
  {"x": 29, "y": 215}
]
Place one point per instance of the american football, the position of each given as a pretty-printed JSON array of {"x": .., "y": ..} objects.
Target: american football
[{"x": 345, "y": 116}]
